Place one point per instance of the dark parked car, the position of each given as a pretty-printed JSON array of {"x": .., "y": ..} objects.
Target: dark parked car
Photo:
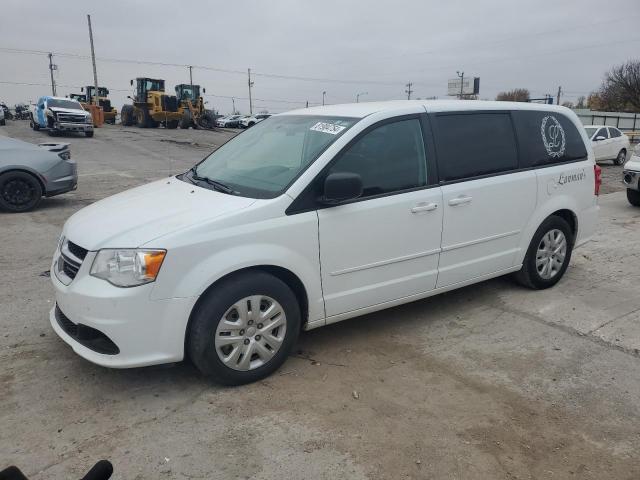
[{"x": 29, "y": 172}]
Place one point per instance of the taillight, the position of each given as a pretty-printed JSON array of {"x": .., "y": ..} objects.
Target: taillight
[{"x": 597, "y": 177}]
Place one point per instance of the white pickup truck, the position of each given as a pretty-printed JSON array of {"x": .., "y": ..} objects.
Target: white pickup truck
[{"x": 59, "y": 114}]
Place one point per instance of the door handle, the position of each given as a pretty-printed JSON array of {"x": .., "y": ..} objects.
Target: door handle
[
  {"x": 424, "y": 207},
  {"x": 461, "y": 200}
]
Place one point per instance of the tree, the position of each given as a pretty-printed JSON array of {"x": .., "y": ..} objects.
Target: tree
[
  {"x": 568, "y": 104},
  {"x": 515, "y": 95},
  {"x": 620, "y": 89},
  {"x": 581, "y": 102}
]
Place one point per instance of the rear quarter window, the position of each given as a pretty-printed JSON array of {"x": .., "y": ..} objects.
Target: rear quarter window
[{"x": 547, "y": 138}]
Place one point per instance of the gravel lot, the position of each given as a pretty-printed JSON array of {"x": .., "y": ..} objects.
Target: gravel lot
[{"x": 488, "y": 382}]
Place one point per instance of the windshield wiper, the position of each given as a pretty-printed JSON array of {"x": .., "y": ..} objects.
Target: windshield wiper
[{"x": 216, "y": 184}]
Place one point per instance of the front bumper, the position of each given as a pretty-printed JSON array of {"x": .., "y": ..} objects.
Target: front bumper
[
  {"x": 73, "y": 127},
  {"x": 144, "y": 331},
  {"x": 631, "y": 179}
]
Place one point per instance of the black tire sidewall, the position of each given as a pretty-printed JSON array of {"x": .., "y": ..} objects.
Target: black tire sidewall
[
  {"x": 551, "y": 223},
  {"x": 617, "y": 161},
  {"x": 633, "y": 196},
  {"x": 212, "y": 306},
  {"x": 37, "y": 196}
]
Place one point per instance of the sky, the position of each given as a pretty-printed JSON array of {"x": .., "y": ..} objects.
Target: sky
[{"x": 298, "y": 49}]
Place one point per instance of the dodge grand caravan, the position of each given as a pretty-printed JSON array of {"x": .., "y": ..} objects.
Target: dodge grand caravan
[{"x": 316, "y": 216}]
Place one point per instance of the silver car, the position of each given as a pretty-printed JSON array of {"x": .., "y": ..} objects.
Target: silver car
[{"x": 29, "y": 172}]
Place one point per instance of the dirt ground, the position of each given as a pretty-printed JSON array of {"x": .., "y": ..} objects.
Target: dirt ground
[{"x": 488, "y": 382}]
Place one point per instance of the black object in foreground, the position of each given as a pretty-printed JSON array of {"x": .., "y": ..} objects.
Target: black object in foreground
[{"x": 100, "y": 471}]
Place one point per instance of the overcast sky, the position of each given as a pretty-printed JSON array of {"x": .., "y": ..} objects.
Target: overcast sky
[{"x": 346, "y": 47}]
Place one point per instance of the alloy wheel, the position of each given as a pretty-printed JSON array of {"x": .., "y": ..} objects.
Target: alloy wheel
[{"x": 551, "y": 254}]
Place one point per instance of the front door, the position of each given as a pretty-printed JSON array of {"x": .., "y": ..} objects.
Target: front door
[
  {"x": 602, "y": 148},
  {"x": 385, "y": 245}
]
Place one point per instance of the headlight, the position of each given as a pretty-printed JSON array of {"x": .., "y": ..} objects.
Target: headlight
[
  {"x": 87, "y": 119},
  {"x": 128, "y": 268}
]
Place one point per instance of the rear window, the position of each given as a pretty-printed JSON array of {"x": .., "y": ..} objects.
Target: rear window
[
  {"x": 547, "y": 138},
  {"x": 476, "y": 144}
]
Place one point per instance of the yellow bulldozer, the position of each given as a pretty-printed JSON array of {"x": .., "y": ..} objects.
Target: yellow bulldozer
[
  {"x": 87, "y": 98},
  {"x": 151, "y": 106},
  {"x": 191, "y": 105}
]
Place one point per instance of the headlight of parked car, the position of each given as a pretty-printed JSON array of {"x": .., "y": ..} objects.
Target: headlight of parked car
[
  {"x": 87, "y": 119},
  {"x": 128, "y": 267}
]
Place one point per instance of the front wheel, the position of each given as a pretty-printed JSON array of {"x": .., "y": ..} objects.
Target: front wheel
[
  {"x": 634, "y": 197},
  {"x": 19, "y": 192},
  {"x": 89, "y": 134},
  {"x": 244, "y": 328},
  {"x": 620, "y": 159},
  {"x": 548, "y": 254}
]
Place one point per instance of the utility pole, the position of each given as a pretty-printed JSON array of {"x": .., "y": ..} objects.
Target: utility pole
[
  {"x": 323, "y": 94},
  {"x": 233, "y": 102},
  {"x": 461, "y": 77},
  {"x": 307, "y": 104},
  {"x": 191, "y": 77},
  {"x": 250, "y": 83},
  {"x": 93, "y": 60},
  {"x": 559, "y": 93},
  {"x": 408, "y": 91},
  {"x": 52, "y": 67}
]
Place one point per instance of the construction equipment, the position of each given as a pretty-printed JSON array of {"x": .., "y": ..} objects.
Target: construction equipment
[
  {"x": 96, "y": 111},
  {"x": 109, "y": 112},
  {"x": 191, "y": 105},
  {"x": 151, "y": 106}
]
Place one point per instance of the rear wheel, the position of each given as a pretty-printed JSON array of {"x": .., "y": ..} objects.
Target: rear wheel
[
  {"x": 126, "y": 115},
  {"x": 186, "y": 120},
  {"x": 620, "y": 159},
  {"x": 19, "y": 191},
  {"x": 634, "y": 197},
  {"x": 171, "y": 124},
  {"x": 244, "y": 328},
  {"x": 548, "y": 254}
]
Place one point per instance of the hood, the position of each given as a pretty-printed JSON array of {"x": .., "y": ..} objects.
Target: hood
[
  {"x": 75, "y": 111},
  {"x": 140, "y": 215}
]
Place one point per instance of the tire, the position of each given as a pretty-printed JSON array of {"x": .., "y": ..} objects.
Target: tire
[
  {"x": 206, "y": 326},
  {"x": 33, "y": 124},
  {"x": 251, "y": 124},
  {"x": 621, "y": 158},
  {"x": 143, "y": 119},
  {"x": 19, "y": 192},
  {"x": 171, "y": 124},
  {"x": 126, "y": 115},
  {"x": 531, "y": 275},
  {"x": 51, "y": 132},
  {"x": 186, "y": 120},
  {"x": 88, "y": 134},
  {"x": 634, "y": 197},
  {"x": 3, "y": 122}
]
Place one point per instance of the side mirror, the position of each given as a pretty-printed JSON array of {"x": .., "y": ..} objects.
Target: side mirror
[
  {"x": 340, "y": 187},
  {"x": 599, "y": 137},
  {"x": 131, "y": 82}
]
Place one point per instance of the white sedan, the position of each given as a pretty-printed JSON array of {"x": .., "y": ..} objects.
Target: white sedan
[
  {"x": 608, "y": 143},
  {"x": 250, "y": 121}
]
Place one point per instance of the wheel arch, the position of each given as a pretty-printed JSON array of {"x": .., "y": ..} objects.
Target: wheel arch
[
  {"x": 570, "y": 217},
  {"x": 30, "y": 172},
  {"x": 287, "y": 276}
]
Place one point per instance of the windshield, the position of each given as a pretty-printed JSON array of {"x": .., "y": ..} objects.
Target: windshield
[
  {"x": 591, "y": 131},
  {"x": 56, "y": 103},
  {"x": 264, "y": 160}
]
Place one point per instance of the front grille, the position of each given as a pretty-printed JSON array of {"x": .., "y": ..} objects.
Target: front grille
[
  {"x": 77, "y": 250},
  {"x": 87, "y": 336},
  {"x": 70, "y": 118},
  {"x": 69, "y": 268}
]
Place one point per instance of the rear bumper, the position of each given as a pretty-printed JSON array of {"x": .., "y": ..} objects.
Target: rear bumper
[{"x": 62, "y": 178}]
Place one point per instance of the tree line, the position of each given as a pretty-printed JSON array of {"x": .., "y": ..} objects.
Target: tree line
[{"x": 618, "y": 92}]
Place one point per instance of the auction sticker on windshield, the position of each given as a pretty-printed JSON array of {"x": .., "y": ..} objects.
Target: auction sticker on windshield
[{"x": 330, "y": 128}]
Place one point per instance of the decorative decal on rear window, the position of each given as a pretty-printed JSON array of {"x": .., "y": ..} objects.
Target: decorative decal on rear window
[
  {"x": 330, "y": 128},
  {"x": 553, "y": 136}
]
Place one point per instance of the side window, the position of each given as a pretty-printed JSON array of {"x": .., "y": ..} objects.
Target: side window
[
  {"x": 602, "y": 133},
  {"x": 614, "y": 132},
  {"x": 470, "y": 145},
  {"x": 547, "y": 138},
  {"x": 390, "y": 158}
]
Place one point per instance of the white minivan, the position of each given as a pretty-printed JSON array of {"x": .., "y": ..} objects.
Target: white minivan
[{"x": 319, "y": 215}]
